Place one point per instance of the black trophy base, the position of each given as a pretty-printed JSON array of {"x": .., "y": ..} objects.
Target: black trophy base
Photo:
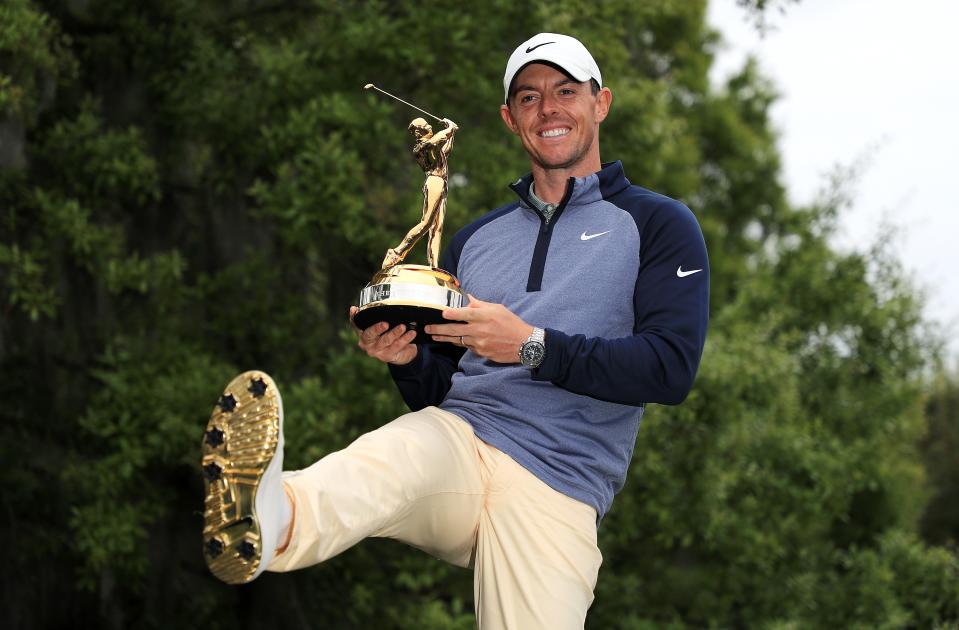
[{"x": 413, "y": 317}]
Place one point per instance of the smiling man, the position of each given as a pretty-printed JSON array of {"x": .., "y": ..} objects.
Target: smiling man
[{"x": 588, "y": 299}]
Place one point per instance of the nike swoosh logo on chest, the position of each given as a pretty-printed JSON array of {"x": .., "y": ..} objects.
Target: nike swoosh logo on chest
[{"x": 585, "y": 237}]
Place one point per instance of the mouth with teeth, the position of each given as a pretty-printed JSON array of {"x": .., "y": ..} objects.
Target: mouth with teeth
[{"x": 554, "y": 133}]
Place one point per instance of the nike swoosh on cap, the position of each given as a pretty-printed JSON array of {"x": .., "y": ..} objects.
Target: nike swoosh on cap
[
  {"x": 682, "y": 274},
  {"x": 532, "y": 48},
  {"x": 586, "y": 237}
]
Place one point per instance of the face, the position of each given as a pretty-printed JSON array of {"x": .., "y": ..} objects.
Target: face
[{"x": 557, "y": 119}]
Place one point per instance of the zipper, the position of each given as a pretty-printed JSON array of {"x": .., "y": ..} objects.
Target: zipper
[{"x": 534, "y": 281}]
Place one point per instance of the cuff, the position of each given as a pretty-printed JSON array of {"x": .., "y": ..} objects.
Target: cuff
[
  {"x": 551, "y": 367},
  {"x": 412, "y": 368}
]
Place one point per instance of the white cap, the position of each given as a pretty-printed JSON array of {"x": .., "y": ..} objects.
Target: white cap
[{"x": 562, "y": 50}]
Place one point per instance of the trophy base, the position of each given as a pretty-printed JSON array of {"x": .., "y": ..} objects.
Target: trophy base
[
  {"x": 412, "y": 295},
  {"x": 413, "y": 317}
]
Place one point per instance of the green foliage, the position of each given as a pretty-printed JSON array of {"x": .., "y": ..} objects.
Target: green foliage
[
  {"x": 940, "y": 522},
  {"x": 195, "y": 188},
  {"x": 107, "y": 167},
  {"x": 141, "y": 424},
  {"x": 25, "y": 282},
  {"x": 33, "y": 57},
  {"x": 898, "y": 584}
]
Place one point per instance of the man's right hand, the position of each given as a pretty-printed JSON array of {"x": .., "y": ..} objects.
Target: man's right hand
[{"x": 388, "y": 345}]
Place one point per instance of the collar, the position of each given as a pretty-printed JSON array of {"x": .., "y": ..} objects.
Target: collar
[
  {"x": 602, "y": 184},
  {"x": 539, "y": 204}
]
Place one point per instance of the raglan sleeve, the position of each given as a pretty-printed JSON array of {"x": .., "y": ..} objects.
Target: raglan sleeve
[
  {"x": 658, "y": 362},
  {"x": 426, "y": 379}
]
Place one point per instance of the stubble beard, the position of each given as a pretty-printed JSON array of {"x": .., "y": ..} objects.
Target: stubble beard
[{"x": 578, "y": 156}]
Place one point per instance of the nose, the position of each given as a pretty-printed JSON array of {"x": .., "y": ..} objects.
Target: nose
[{"x": 547, "y": 105}]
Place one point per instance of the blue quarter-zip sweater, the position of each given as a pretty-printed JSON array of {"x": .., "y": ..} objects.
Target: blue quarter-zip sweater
[{"x": 619, "y": 279}]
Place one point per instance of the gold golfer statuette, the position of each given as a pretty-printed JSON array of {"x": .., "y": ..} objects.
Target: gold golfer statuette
[{"x": 415, "y": 295}]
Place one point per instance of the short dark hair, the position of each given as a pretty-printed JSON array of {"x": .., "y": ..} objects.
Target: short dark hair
[{"x": 593, "y": 83}]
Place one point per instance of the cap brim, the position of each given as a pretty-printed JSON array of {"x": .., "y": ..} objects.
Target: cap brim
[{"x": 578, "y": 73}]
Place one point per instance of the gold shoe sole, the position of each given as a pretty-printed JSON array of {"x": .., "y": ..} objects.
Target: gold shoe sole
[{"x": 238, "y": 445}]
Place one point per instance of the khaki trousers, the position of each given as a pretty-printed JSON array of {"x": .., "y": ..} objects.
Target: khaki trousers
[{"x": 425, "y": 479}]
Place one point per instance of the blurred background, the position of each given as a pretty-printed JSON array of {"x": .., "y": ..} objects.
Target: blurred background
[
  {"x": 190, "y": 189},
  {"x": 865, "y": 89}
]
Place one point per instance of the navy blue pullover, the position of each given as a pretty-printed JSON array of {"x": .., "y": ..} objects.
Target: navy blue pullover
[{"x": 619, "y": 279}]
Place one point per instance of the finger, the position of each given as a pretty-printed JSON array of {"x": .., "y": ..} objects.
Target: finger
[
  {"x": 399, "y": 343},
  {"x": 370, "y": 335},
  {"x": 407, "y": 339},
  {"x": 397, "y": 350},
  {"x": 388, "y": 338},
  {"x": 468, "y": 313},
  {"x": 448, "y": 330},
  {"x": 459, "y": 314}
]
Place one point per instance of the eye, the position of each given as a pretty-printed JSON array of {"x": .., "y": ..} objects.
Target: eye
[
  {"x": 526, "y": 98},
  {"x": 567, "y": 91}
]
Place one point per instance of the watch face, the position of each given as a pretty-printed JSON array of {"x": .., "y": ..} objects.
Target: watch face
[{"x": 533, "y": 353}]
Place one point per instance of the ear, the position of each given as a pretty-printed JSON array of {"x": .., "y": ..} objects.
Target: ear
[
  {"x": 508, "y": 119},
  {"x": 604, "y": 100}
]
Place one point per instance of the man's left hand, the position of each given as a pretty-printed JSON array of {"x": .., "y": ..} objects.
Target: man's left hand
[{"x": 490, "y": 330}]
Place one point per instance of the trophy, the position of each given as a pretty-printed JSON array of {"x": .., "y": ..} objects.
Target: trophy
[{"x": 415, "y": 295}]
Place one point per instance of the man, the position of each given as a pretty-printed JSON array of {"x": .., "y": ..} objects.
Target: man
[
  {"x": 431, "y": 152},
  {"x": 589, "y": 298}
]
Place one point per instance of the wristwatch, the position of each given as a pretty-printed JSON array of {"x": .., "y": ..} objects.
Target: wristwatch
[{"x": 533, "y": 350}]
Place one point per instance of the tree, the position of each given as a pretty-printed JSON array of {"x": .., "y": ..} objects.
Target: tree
[{"x": 940, "y": 521}]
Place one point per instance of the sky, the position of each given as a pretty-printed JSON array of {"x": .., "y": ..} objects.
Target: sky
[{"x": 872, "y": 84}]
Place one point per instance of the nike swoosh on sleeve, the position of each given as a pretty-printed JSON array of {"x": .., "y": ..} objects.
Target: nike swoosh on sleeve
[{"x": 682, "y": 274}]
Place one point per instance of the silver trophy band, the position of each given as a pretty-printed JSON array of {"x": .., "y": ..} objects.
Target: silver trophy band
[{"x": 411, "y": 293}]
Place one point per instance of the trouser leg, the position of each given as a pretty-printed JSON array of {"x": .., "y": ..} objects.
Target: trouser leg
[
  {"x": 536, "y": 556},
  {"x": 416, "y": 479}
]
